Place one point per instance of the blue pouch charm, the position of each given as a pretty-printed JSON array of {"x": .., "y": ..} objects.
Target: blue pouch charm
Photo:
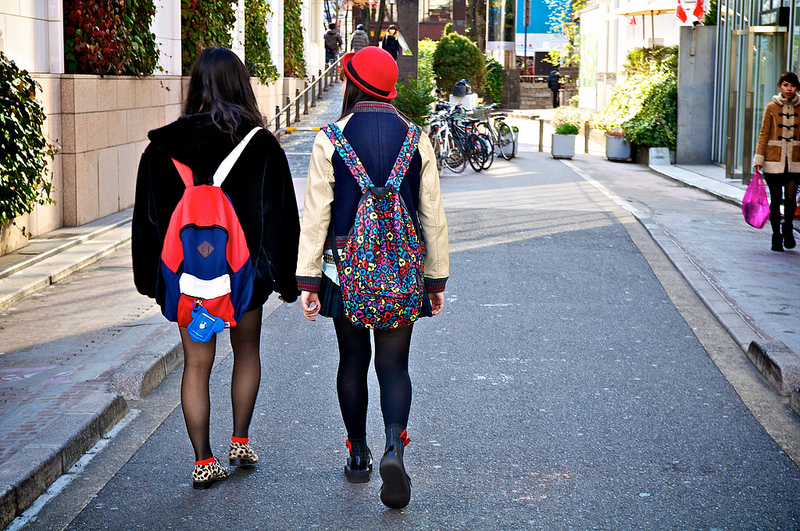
[{"x": 203, "y": 325}]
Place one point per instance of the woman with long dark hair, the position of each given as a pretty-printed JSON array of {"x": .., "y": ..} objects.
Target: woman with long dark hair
[
  {"x": 219, "y": 112},
  {"x": 383, "y": 141},
  {"x": 778, "y": 154}
]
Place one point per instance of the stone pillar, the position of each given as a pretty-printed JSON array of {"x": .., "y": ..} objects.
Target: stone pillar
[
  {"x": 696, "y": 58},
  {"x": 408, "y": 22}
]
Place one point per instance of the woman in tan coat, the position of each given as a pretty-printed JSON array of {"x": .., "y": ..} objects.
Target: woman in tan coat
[{"x": 778, "y": 155}]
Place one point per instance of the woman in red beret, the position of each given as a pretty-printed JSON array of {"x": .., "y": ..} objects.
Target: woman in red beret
[{"x": 387, "y": 144}]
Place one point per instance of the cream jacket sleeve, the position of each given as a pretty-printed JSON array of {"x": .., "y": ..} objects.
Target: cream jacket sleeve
[
  {"x": 432, "y": 221},
  {"x": 317, "y": 206}
]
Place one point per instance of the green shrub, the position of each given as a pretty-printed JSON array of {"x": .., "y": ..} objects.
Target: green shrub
[
  {"x": 448, "y": 29},
  {"x": 457, "y": 58},
  {"x": 204, "y": 23},
  {"x": 494, "y": 79},
  {"x": 710, "y": 19},
  {"x": 567, "y": 129},
  {"x": 23, "y": 148},
  {"x": 647, "y": 60},
  {"x": 426, "y": 48},
  {"x": 256, "y": 41},
  {"x": 414, "y": 99},
  {"x": 656, "y": 124}
]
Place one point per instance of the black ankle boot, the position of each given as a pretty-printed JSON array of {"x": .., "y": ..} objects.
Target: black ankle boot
[
  {"x": 777, "y": 242},
  {"x": 396, "y": 488},
  {"x": 788, "y": 236},
  {"x": 359, "y": 462}
]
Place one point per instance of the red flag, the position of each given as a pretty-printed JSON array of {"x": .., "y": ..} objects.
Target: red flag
[
  {"x": 680, "y": 13},
  {"x": 699, "y": 12},
  {"x": 632, "y": 21}
]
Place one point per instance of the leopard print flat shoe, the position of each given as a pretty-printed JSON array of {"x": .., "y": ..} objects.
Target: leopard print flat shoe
[
  {"x": 207, "y": 472},
  {"x": 241, "y": 454}
]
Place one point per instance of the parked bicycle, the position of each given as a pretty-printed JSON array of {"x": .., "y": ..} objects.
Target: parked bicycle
[{"x": 494, "y": 126}]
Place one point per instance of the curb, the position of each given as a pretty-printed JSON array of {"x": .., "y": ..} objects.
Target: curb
[
  {"x": 779, "y": 366},
  {"x": 40, "y": 272},
  {"x": 141, "y": 374},
  {"x": 29, "y": 472}
]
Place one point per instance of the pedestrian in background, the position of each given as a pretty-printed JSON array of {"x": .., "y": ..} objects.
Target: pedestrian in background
[
  {"x": 778, "y": 155},
  {"x": 219, "y": 111},
  {"x": 554, "y": 85},
  {"x": 390, "y": 42},
  {"x": 333, "y": 41},
  {"x": 359, "y": 39},
  {"x": 331, "y": 200}
]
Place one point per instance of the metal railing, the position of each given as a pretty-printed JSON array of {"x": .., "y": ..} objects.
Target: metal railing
[{"x": 311, "y": 92}]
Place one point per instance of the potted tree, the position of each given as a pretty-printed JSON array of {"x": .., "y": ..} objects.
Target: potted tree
[
  {"x": 618, "y": 148},
  {"x": 566, "y": 123}
]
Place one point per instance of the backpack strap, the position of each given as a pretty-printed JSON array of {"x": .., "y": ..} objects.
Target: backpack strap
[
  {"x": 404, "y": 157},
  {"x": 224, "y": 168},
  {"x": 350, "y": 158},
  {"x": 226, "y": 165},
  {"x": 185, "y": 172}
]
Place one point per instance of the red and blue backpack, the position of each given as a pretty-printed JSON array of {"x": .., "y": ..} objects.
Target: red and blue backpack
[
  {"x": 205, "y": 262},
  {"x": 381, "y": 267}
]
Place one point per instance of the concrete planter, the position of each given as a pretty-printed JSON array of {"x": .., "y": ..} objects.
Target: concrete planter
[
  {"x": 618, "y": 148},
  {"x": 563, "y": 146}
]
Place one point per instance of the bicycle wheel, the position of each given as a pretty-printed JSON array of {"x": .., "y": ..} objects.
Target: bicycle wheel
[
  {"x": 437, "y": 151},
  {"x": 454, "y": 159},
  {"x": 508, "y": 147},
  {"x": 476, "y": 152},
  {"x": 487, "y": 142}
]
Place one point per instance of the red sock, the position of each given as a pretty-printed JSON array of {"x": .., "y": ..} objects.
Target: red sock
[
  {"x": 205, "y": 461},
  {"x": 240, "y": 440}
]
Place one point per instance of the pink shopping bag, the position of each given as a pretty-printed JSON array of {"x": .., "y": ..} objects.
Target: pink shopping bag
[{"x": 755, "y": 205}]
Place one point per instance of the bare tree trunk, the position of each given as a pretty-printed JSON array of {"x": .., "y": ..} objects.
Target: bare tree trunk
[
  {"x": 379, "y": 23},
  {"x": 476, "y": 23}
]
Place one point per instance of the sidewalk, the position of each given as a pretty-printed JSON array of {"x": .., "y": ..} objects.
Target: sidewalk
[{"x": 60, "y": 308}]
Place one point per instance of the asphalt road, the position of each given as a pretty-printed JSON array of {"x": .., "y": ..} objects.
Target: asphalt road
[{"x": 570, "y": 383}]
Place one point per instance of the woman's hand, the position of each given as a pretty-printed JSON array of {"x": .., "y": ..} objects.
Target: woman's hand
[
  {"x": 437, "y": 302},
  {"x": 309, "y": 300},
  {"x": 757, "y": 168}
]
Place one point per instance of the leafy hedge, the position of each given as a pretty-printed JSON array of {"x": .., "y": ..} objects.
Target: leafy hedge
[
  {"x": 24, "y": 150},
  {"x": 204, "y": 23},
  {"x": 656, "y": 124},
  {"x": 256, "y": 41},
  {"x": 294, "y": 64},
  {"x": 109, "y": 37},
  {"x": 494, "y": 79},
  {"x": 645, "y": 106}
]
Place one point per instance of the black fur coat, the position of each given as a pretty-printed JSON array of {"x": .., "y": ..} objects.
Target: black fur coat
[{"x": 259, "y": 186}]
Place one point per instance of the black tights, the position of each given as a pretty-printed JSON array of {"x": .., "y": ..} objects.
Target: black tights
[
  {"x": 197, "y": 365},
  {"x": 777, "y": 184},
  {"x": 391, "y": 366}
]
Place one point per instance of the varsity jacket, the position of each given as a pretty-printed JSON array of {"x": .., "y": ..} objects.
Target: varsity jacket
[
  {"x": 259, "y": 186},
  {"x": 779, "y": 139},
  {"x": 376, "y": 133}
]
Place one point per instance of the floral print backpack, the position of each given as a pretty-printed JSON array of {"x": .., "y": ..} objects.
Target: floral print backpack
[{"x": 381, "y": 267}]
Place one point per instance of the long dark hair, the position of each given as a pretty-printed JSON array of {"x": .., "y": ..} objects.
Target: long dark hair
[
  {"x": 219, "y": 84},
  {"x": 353, "y": 95}
]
